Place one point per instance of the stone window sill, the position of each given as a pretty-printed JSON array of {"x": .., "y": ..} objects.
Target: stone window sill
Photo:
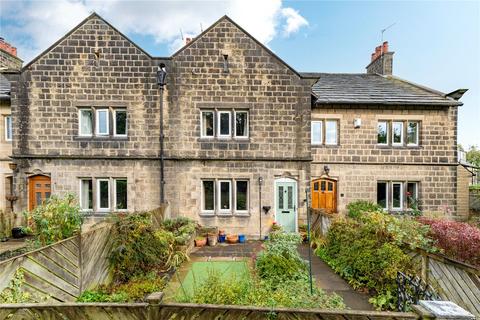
[
  {"x": 390, "y": 147},
  {"x": 100, "y": 138},
  {"x": 224, "y": 140},
  {"x": 224, "y": 215}
]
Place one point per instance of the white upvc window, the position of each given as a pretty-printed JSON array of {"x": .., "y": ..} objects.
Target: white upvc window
[
  {"x": 103, "y": 195},
  {"x": 224, "y": 124},
  {"x": 85, "y": 122},
  {"x": 224, "y": 198},
  {"x": 241, "y": 196},
  {"x": 101, "y": 122},
  {"x": 316, "y": 135},
  {"x": 207, "y": 124},
  {"x": 397, "y": 196},
  {"x": 412, "y": 133},
  {"x": 86, "y": 194},
  {"x": 208, "y": 196},
  {"x": 241, "y": 124},
  {"x": 8, "y": 128},
  {"x": 412, "y": 194},
  {"x": 382, "y": 133},
  {"x": 120, "y": 198},
  {"x": 119, "y": 122},
  {"x": 397, "y": 133},
  {"x": 331, "y": 132}
]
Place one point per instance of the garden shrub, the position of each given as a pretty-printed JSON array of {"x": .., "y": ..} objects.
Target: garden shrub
[
  {"x": 360, "y": 207},
  {"x": 368, "y": 253},
  {"x": 458, "y": 240},
  {"x": 56, "y": 219}
]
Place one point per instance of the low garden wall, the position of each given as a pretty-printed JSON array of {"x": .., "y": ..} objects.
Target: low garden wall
[{"x": 166, "y": 311}]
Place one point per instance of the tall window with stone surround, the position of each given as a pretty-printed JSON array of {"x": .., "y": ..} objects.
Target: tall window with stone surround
[
  {"x": 85, "y": 122},
  {"x": 324, "y": 132},
  {"x": 207, "y": 124},
  {"x": 102, "y": 123},
  {"x": 120, "y": 122},
  {"x": 241, "y": 124}
]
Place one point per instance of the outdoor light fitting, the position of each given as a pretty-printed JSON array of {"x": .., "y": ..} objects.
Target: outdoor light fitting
[
  {"x": 326, "y": 169},
  {"x": 161, "y": 75}
]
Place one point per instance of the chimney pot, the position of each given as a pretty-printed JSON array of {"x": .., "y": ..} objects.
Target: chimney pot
[
  {"x": 385, "y": 46},
  {"x": 188, "y": 40}
]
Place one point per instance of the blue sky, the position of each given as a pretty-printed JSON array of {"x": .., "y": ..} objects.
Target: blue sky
[{"x": 436, "y": 43}]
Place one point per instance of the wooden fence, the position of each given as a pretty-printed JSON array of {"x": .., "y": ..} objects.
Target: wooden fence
[
  {"x": 62, "y": 271},
  {"x": 138, "y": 311},
  {"x": 321, "y": 221},
  {"x": 474, "y": 200},
  {"x": 453, "y": 280}
]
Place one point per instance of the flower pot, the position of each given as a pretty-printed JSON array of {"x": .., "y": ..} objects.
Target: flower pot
[
  {"x": 212, "y": 240},
  {"x": 200, "y": 242},
  {"x": 232, "y": 238},
  {"x": 221, "y": 238},
  {"x": 241, "y": 238}
]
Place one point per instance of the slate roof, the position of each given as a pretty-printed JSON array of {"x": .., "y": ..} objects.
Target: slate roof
[
  {"x": 4, "y": 88},
  {"x": 361, "y": 88}
]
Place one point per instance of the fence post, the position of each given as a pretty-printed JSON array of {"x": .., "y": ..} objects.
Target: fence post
[
  {"x": 154, "y": 300},
  {"x": 425, "y": 266}
]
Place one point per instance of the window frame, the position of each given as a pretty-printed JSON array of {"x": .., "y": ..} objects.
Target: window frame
[
  {"x": 402, "y": 133},
  {"x": 97, "y": 122},
  {"x": 115, "y": 209},
  {"x": 99, "y": 209},
  {"x": 219, "y": 127},
  {"x": 415, "y": 195},
  {"x": 387, "y": 142},
  {"x": 8, "y": 119},
  {"x": 80, "y": 197},
  {"x": 235, "y": 112},
  {"x": 247, "y": 205},
  {"x": 202, "y": 208},
  {"x": 401, "y": 195},
  {"x": 115, "y": 134},
  {"x": 219, "y": 197},
  {"x": 336, "y": 132},
  {"x": 80, "y": 134},
  {"x": 387, "y": 194},
  {"x": 417, "y": 137},
  {"x": 202, "y": 135},
  {"x": 317, "y": 142}
]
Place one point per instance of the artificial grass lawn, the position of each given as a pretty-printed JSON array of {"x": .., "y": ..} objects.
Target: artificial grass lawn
[{"x": 199, "y": 271}]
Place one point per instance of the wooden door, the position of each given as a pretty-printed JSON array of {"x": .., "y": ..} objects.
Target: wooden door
[
  {"x": 39, "y": 190},
  {"x": 324, "y": 195}
]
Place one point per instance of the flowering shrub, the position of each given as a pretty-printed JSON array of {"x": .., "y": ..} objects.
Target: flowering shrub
[{"x": 459, "y": 240}]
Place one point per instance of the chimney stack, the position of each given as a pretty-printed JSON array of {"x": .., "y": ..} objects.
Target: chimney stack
[
  {"x": 8, "y": 56},
  {"x": 7, "y": 47},
  {"x": 381, "y": 60}
]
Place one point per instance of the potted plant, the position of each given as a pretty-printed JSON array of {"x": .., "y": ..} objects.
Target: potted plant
[
  {"x": 232, "y": 238},
  {"x": 200, "y": 241}
]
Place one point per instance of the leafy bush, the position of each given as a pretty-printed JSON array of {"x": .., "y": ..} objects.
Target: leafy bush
[
  {"x": 15, "y": 293},
  {"x": 459, "y": 240},
  {"x": 138, "y": 248},
  {"x": 368, "y": 252},
  {"x": 56, "y": 219},
  {"x": 360, "y": 207}
]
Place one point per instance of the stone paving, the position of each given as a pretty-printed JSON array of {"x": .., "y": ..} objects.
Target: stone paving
[{"x": 324, "y": 276}]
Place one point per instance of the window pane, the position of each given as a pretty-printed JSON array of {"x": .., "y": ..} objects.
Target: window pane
[
  {"x": 382, "y": 133},
  {"x": 397, "y": 128},
  {"x": 241, "y": 124},
  {"x": 121, "y": 122},
  {"x": 331, "y": 132},
  {"x": 104, "y": 194},
  {"x": 382, "y": 194},
  {"x": 397, "y": 195},
  {"x": 102, "y": 121},
  {"x": 330, "y": 186},
  {"x": 38, "y": 198},
  {"x": 225, "y": 123},
  {"x": 207, "y": 124},
  {"x": 8, "y": 128},
  {"x": 412, "y": 194},
  {"x": 225, "y": 195},
  {"x": 315, "y": 186},
  {"x": 317, "y": 132},
  {"x": 280, "y": 197},
  {"x": 86, "y": 121},
  {"x": 121, "y": 194},
  {"x": 208, "y": 195},
  {"x": 86, "y": 194},
  {"x": 322, "y": 185},
  {"x": 412, "y": 133},
  {"x": 290, "y": 197},
  {"x": 242, "y": 195}
]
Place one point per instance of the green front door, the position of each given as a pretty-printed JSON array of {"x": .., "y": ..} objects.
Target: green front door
[{"x": 286, "y": 204}]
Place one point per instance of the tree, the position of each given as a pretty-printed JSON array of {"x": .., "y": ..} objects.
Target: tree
[{"x": 473, "y": 156}]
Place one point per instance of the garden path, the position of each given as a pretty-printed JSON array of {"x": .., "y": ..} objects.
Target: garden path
[{"x": 330, "y": 282}]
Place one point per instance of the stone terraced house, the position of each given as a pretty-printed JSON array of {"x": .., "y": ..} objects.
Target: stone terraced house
[{"x": 247, "y": 138}]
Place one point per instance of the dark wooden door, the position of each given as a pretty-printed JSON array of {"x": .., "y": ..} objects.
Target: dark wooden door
[
  {"x": 324, "y": 195},
  {"x": 39, "y": 190}
]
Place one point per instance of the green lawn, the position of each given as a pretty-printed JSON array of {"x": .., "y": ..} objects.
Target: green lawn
[{"x": 199, "y": 271}]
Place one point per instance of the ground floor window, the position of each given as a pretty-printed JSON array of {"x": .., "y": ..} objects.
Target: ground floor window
[
  {"x": 397, "y": 195},
  {"x": 110, "y": 194},
  {"x": 86, "y": 194},
  {"x": 121, "y": 194},
  {"x": 225, "y": 196}
]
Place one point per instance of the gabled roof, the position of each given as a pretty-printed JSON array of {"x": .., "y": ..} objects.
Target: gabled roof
[
  {"x": 227, "y": 18},
  {"x": 360, "y": 88}
]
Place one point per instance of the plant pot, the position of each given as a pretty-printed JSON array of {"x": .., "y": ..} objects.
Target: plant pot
[
  {"x": 222, "y": 238},
  {"x": 212, "y": 240},
  {"x": 232, "y": 238},
  {"x": 241, "y": 238},
  {"x": 200, "y": 242},
  {"x": 18, "y": 233}
]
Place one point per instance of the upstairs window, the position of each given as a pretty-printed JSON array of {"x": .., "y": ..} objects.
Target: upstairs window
[
  {"x": 8, "y": 128},
  {"x": 324, "y": 132},
  {"x": 412, "y": 133},
  {"x": 102, "y": 122},
  {"x": 120, "y": 122},
  {"x": 207, "y": 124},
  {"x": 397, "y": 133},
  {"x": 382, "y": 133},
  {"x": 241, "y": 124},
  {"x": 85, "y": 122},
  {"x": 224, "y": 124}
]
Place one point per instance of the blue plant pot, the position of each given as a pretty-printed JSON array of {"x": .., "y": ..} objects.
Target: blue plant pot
[
  {"x": 241, "y": 238},
  {"x": 221, "y": 238}
]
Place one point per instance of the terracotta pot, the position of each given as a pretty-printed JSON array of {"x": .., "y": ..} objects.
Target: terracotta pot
[
  {"x": 232, "y": 238},
  {"x": 200, "y": 242}
]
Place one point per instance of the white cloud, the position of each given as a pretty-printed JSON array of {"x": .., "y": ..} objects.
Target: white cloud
[{"x": 38, "y": 24}]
